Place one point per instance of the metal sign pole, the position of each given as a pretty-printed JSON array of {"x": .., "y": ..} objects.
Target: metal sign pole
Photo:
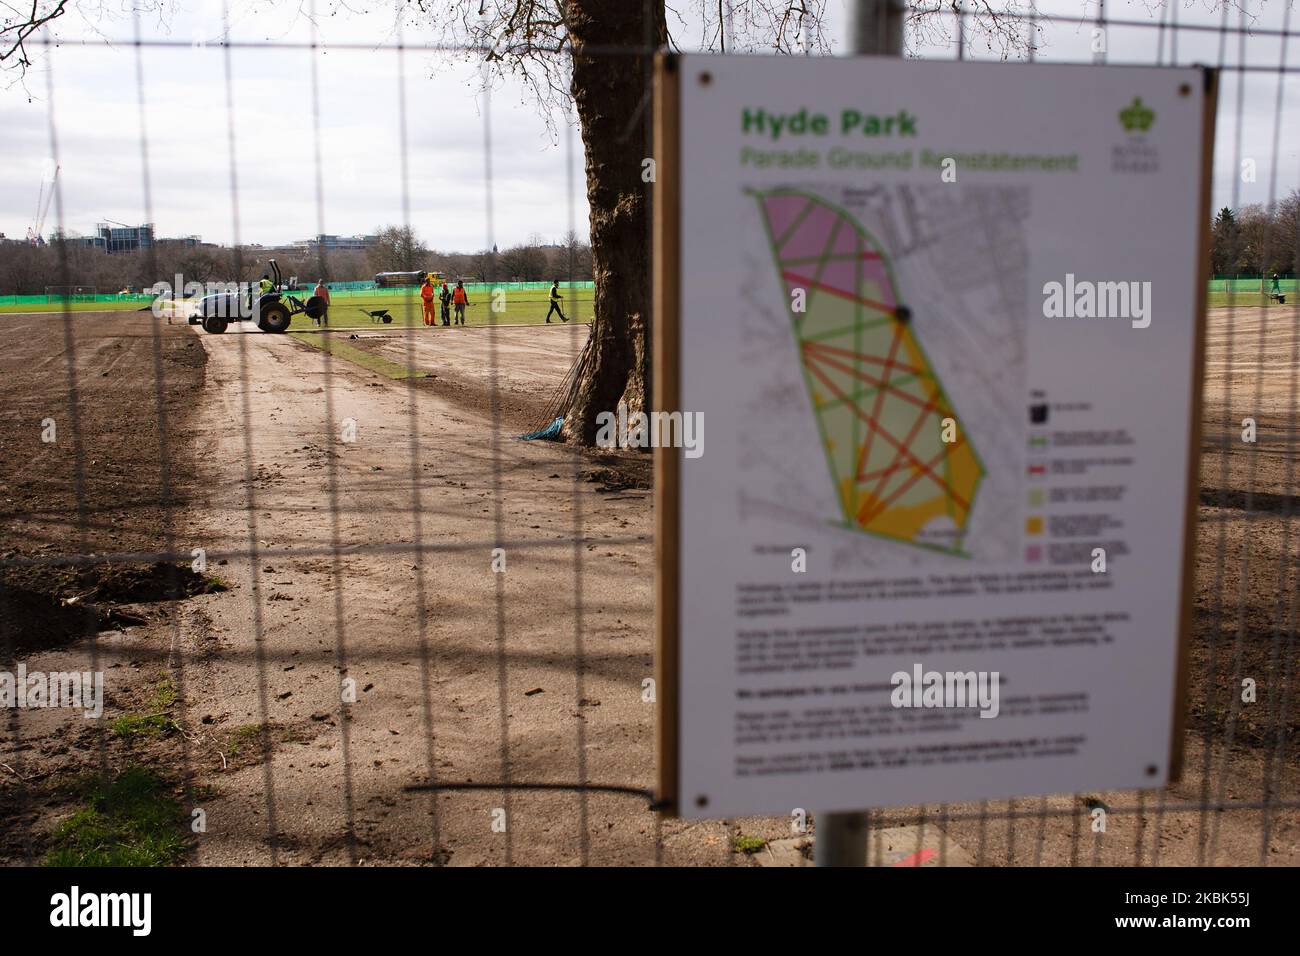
[{"x": 877, "y": 28}]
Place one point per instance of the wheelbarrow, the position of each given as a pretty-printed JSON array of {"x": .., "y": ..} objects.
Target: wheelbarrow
[{"x": 379, "y": 315}]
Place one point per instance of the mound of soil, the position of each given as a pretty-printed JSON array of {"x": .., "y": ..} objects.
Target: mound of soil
[
  {"x": 108, "y": 476},
  {"x": 43, "y": 607}
]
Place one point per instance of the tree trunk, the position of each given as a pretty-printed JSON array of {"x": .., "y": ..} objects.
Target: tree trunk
[{"x": 611, "y": 95}]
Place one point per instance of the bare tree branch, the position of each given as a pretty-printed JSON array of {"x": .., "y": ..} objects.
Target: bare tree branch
[{"x": 17, "y": 28}]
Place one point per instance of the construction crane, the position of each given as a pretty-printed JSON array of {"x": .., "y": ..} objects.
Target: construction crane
[{"x": 42, "y": 209}]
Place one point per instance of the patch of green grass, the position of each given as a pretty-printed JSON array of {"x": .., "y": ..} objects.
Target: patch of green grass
[
  {"x": 130, "y": 820},
  {"x": 740, "y": 843},
  {"x": 157, "y": 721},
  {"x": 523, "y": 307},
  {"x": 141, "y": 725},
  {"x": 341, "y": 350},
  {"x": 1249, "y": 300},
  {"x": 242, "y": 736}
]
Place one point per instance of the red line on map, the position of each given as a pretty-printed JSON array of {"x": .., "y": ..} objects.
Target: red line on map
[
  {"x": 907, "y": 443},
  {"x": 925, "y": 468},
  {"x": 880, "y": 398},
  {"x": 875, "y": 428},
  {"x": 916, "y": 477},
  {"x": 835, "y": 390},
  {"x": 884, "y": 473},
  {"x": 821, "y": 347},
  {"x": 841, "y": 293},
  {"x": 863, "y": 376}
]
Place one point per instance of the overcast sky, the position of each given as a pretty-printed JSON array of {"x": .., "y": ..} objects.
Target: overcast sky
[{"x": 97, "y": 118}]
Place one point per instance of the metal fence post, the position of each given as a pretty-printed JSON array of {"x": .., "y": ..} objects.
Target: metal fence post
[{"x": 877, "y": 28}]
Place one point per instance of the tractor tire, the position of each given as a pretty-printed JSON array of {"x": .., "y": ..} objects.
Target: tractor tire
[
  {"x": 214, "y": 324},
  {"x": 274, "y": 318}
]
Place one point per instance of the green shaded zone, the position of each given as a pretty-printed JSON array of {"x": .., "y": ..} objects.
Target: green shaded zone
[
  {"x": 128, "y": 820},
  {"x": 340, "y": 349}
]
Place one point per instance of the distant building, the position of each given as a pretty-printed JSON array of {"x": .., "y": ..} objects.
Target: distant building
[
  {"x": 335, "y": 243},
  {"x": 95, "y": 242},
  {"x": 114, "y": 237}
]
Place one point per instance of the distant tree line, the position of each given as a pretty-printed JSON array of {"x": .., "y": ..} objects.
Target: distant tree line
[
  {"x": 398, "y": 249},
  {"x": 29, "y": 270},
  {"x": 1256, "y": 240}
]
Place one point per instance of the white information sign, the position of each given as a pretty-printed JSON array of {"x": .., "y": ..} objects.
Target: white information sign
[{"x": 943, "y": 324}]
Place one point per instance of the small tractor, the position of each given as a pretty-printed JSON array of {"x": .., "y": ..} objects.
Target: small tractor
[{"x": 272, "y": 310}]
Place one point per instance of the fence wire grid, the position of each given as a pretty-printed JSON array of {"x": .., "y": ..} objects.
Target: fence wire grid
[{"x": 467, "y": 662}]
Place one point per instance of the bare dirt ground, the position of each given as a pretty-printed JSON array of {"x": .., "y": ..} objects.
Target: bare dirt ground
[
  {"x": 468, "y": 677},
  {"x": 113, "y": 475}
]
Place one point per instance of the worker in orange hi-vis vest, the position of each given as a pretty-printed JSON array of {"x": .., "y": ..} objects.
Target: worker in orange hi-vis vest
[
  {"x": 459, "y": 299},
  {"x": 426, "y": 296}
]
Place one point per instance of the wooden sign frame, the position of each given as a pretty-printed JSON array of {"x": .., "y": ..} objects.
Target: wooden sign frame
[{"x": 666, "y": 396}]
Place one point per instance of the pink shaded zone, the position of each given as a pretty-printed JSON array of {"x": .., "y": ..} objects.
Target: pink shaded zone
[
  {"x": 781, "y": 211},
  {"x": 846, "y": 243},
  {"x": 810, "y": 236},
  {"x": 809, "y": 241},
  {"x": 873, "y": 270},
  {"x": 842, "y": 274}
]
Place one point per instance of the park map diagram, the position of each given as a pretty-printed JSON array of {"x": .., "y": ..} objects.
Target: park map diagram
[{"x": 881, "y": 410}]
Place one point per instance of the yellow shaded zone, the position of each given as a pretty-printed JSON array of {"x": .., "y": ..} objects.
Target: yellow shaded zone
[
  {"x": 898, "y": 521},
  {"x": 924, "y": 500},
  {"x": 905, "y": 517},
  {"x": 915, "y": 357}
]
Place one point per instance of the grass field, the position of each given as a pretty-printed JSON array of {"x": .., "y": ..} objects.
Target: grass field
[
  {"x": 520, "y": 308},
  {"x": 1247, "y": 300}
]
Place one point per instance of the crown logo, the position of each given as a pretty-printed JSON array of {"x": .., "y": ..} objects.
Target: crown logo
[{"x": 1137, "y": 116}]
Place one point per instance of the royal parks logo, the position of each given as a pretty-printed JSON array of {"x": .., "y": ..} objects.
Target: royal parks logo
[
  {"x": 1135, "y": 154},
  {"x": 1137, "y": 117}
]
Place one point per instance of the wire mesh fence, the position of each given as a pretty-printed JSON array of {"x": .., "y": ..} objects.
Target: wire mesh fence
[{"x": 409, "y": 637}]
